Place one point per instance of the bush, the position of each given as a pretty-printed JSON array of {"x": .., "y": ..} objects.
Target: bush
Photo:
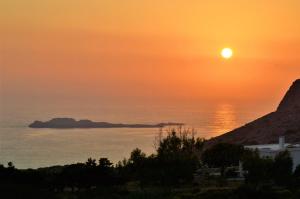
[
  {"x": 283, "y": 168},
  {"x": 222, "y": 155}
]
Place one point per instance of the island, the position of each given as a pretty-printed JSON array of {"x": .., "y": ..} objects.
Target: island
[{"x": 72, "y": 123}]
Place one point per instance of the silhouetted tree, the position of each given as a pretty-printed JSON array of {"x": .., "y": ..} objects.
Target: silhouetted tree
[
  {"x": 296, "y": 177},
  {"x": 10, "y": 165},
  {"x": 222, "y": 155},
  {"x": 283, "y": 168},
  {"x": 258, "y": 170},
  {"x": 105, "y": 163},
  {"x": 178, "y": 156},
  {"x": 137, "y": 156},
  {"x": 106, "y": 173},
  {"x": 176, "y": 160},
  {"x": 91, "y": 162}
]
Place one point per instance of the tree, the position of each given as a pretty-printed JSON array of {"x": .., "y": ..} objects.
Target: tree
[
  {"x": 91, "y": 162},
  {"x": 296, "y": 177},
  {"x": 105, "y": 163},
  {"x": 222, "y": 155},
  {"x": 176, "y": 160},
  {"x": 258, "y": 170},
  {"x": 105, "y": 173},
  {"x": 180, "y": 141},
  {"x": 11, "y": 165},
  {"x": 178, "y": 156},
  {"x": 283, "y": 168},
  {"x": 137, "y": 156}
]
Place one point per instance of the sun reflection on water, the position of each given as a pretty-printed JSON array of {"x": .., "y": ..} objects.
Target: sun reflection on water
[{"x": 224, "y": 119}]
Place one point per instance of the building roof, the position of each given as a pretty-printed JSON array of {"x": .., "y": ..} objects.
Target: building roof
[{"x": 273, "y": 147}]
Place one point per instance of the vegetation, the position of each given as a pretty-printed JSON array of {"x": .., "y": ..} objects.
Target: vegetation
[
  {"x": 223, "y": 155},
  {"x": 171, "y": 172}
]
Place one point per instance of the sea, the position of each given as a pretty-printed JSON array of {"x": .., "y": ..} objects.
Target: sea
[{"x": 35, "y": 148}]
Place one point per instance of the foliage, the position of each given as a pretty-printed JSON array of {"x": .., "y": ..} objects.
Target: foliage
[
  {"x": 283, "y": 168},
  {"x": 222, "y": 155},
  {"x": 296, "y": 177},
  {"x": 259, "y": 170},
  {"x": 176, "y": 160},
  {"x": 266, "y": 170},
  {"x": 178, "y": 156}
]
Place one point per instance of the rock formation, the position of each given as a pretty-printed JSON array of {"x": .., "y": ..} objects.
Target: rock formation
[
  {"x": 72, "y": 123},
  {"x": 285, "y": 121}
]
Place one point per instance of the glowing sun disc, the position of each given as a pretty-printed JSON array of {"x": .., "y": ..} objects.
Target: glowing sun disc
[{"x": 226, "y": 53}]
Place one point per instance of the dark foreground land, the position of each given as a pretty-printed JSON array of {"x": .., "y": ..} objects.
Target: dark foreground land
[
  {"x": 180, "y": 169},
  {"x": 243, "y": 192}
]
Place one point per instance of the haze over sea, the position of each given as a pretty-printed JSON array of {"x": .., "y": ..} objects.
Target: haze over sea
[{"x": 33, "y": 148}]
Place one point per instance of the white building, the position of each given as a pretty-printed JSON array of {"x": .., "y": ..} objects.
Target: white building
[{"x": 271, "y": 150}]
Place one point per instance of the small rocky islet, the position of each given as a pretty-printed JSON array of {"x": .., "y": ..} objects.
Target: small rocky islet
[{"x": 72, "y": 123}]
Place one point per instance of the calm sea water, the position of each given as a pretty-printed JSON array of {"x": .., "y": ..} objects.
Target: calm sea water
[{"x": 32, "y": 148}]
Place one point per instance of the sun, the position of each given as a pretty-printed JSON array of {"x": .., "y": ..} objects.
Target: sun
[{"x": 226, "y": 53}]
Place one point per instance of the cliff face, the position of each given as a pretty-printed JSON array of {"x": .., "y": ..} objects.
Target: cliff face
[
  {"x": 284, "y": 121},
  {"x": 291, "y": 100}
]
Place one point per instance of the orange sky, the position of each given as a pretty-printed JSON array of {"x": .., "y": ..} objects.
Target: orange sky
[{"x": 148, "y": 50}]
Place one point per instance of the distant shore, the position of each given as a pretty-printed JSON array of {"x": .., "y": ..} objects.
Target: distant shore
[{"x": 72, "y": 123}]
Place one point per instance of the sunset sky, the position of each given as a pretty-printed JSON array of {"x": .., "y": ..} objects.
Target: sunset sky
[{"x": 156, "y": 51}]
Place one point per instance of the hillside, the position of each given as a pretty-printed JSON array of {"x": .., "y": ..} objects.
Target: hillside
[{"x": 284, "y": 121}]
